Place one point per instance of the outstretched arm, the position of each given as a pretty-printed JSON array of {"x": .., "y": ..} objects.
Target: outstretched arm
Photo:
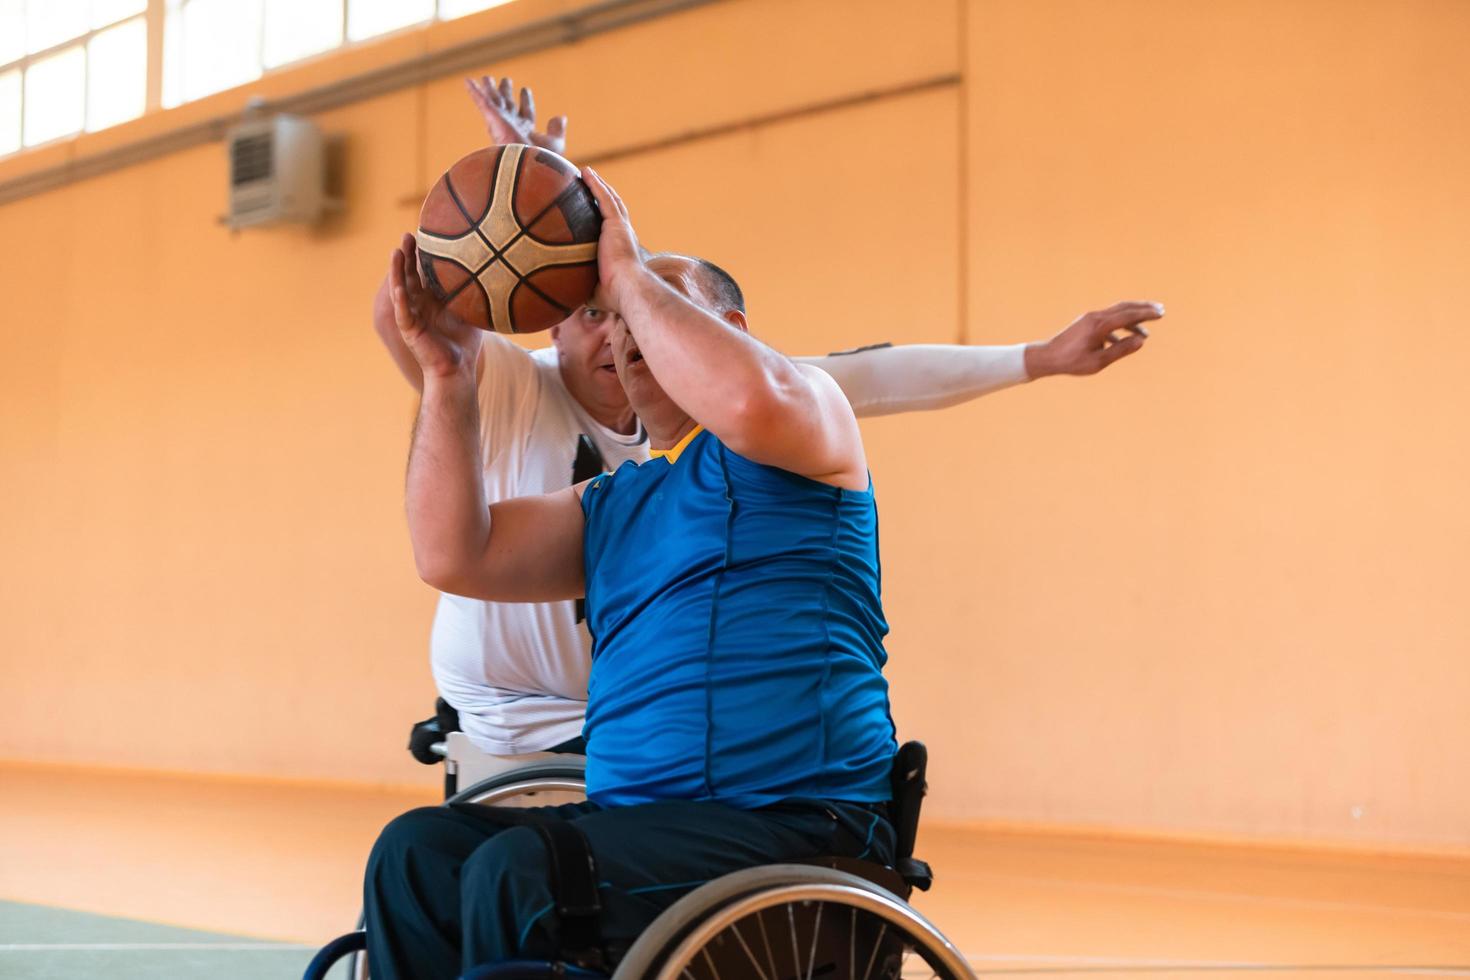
[
  {"x": 523, "y": 550},
  {"x": 888, "y": 380}
]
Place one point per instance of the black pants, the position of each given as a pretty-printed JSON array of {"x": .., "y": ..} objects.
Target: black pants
[{"x": 449, "y": 888}]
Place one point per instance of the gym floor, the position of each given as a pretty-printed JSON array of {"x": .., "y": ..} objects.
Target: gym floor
[{"x": 144, "y": 875}]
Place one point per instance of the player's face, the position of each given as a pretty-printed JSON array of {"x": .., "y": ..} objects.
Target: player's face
[
  {"x": 582, "y": 344},
  {"x": 644, "y": 392}
]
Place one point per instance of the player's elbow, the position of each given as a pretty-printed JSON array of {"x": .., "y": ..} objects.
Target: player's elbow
[
  {"x": 436, "y": 574},
  {"x": 756, "y": 416},
  {"x": 749, "y": 416},
  {"x": 444, "y": 572}
]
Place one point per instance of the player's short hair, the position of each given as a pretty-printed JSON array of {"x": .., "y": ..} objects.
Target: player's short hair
[
  {"x": 719, "y": 286},
  {"x": 722, "y": 287}
]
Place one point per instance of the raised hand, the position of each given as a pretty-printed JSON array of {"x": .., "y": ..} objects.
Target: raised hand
[
  {"x": 1094, "y": 340},
  {"x": 442, "y": 343},
  {"x": 509, "y": 121},
  {"x": 618, "y": 254}
]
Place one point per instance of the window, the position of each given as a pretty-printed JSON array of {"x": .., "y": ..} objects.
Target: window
[
  {"x": 295, "y": 29},
  {"x": 10, "y": 111},
  {"x": 117, "y": 74},
  {"x": 68, "y": 66},
  {"x": 73, "y": 66}
]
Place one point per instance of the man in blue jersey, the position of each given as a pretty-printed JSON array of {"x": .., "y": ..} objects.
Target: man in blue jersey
[{"x": 737, "y": 714}]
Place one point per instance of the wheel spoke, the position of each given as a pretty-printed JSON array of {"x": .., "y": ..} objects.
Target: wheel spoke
[
  {"x": 811, "y": 960},
  {"x": 791, "y": 920},
  {"x": 909, "y": 958},
  {"x": 711, "y": 963},
  {"x": 874, "y": 954},
  {"x": 735, "y": 928},
  {"x": 766, "y": 941}
]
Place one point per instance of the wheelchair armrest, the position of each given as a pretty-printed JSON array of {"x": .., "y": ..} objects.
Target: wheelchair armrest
[
  {"x": 426, "y": 740},
  {"x": 917, "y": 873}
]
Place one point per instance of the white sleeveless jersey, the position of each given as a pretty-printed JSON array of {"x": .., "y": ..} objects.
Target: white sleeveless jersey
[{"x": 517, "y": 671}]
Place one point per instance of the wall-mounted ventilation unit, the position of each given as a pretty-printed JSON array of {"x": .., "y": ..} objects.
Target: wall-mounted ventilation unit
[{"x": 277, "y": 171}]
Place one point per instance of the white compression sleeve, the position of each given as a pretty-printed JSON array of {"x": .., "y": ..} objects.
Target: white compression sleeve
[{"x": 921, "y": 377}]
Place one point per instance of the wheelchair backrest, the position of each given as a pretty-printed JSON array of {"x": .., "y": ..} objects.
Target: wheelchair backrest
[{"x": 909, "y": 787}]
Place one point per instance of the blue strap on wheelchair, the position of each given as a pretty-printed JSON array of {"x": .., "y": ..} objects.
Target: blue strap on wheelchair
[
  {"x": 573, "y": 888},
  {"x": 573, "y": 873}
]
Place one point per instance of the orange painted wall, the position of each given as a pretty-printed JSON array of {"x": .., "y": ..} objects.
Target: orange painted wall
[{"x": 1218, "y": 590}]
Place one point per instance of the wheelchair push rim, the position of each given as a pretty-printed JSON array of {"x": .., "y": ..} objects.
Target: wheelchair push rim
[
  {"x": 548, "y": 777},
  {"x": 773, "y": 915}
]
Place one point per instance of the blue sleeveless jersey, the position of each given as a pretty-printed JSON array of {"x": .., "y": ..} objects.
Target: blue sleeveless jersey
[{"x": 737, "y": 634}]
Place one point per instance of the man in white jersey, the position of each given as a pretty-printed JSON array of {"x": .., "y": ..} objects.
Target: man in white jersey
[{"x": 517, "y": 672}]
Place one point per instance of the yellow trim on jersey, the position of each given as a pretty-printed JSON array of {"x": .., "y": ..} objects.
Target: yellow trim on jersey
[{"x": 672, "y": 455}]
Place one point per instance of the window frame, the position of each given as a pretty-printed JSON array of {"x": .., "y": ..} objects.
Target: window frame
[{"x": 83, "y": 40}]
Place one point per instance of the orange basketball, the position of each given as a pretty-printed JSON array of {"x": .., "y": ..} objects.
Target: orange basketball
[{"x": 508, "y": 239}]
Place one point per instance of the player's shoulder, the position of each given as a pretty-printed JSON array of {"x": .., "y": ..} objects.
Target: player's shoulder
[
  {"x": 545, "y": 358},
  {"x": 507, "y": 363}
]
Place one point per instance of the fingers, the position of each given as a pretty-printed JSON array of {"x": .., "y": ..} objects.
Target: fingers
[
  {"x": 411, "y": 281},
  {"x": 507, "y": 94},
  {"x": 1128, "y": 328},
  {"x": 1131, "y": 303},
  {"x": 477, "y": 94},
  {"x": 557, "y": 127},
  {"x": 600, "y": 191},
  {"x": 528, "y": 105},
  {"x": 607, "y": 199},
  {"x": 1121, "y": 349},
  {"x": 398, "y": 293},
  {"x": 1122, "y": 316}
]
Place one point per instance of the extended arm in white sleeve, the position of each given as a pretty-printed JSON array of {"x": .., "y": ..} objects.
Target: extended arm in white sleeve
[{"x": 888, "y": 380}]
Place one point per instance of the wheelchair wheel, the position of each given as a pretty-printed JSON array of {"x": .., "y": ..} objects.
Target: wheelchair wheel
[
  {"x": 542, "y": 784},
  {"x": 792, "y": 920}
]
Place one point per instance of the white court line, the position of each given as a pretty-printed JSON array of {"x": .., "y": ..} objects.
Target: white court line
[
  {"x": 120, "y": 947},
  {"x": 1091, "y": 964}
]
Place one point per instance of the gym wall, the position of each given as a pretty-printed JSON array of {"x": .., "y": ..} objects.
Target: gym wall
[{"x": 1216, "y": 591}]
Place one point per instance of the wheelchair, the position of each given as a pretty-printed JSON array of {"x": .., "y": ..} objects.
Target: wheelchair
[{"x": 824, "y": 918}]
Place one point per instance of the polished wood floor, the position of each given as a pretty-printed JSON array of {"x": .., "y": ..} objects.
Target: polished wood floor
[{"x": 282, "y": 862}]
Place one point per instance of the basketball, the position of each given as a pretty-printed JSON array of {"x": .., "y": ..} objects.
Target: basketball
[{"x": 507, "y": 239}]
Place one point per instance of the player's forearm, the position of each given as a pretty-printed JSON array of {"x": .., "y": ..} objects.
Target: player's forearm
[
  {"x": 448, "y": 518},
  {"x": 723, "y": 378},
  {"x": 923, "y": 377}
]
